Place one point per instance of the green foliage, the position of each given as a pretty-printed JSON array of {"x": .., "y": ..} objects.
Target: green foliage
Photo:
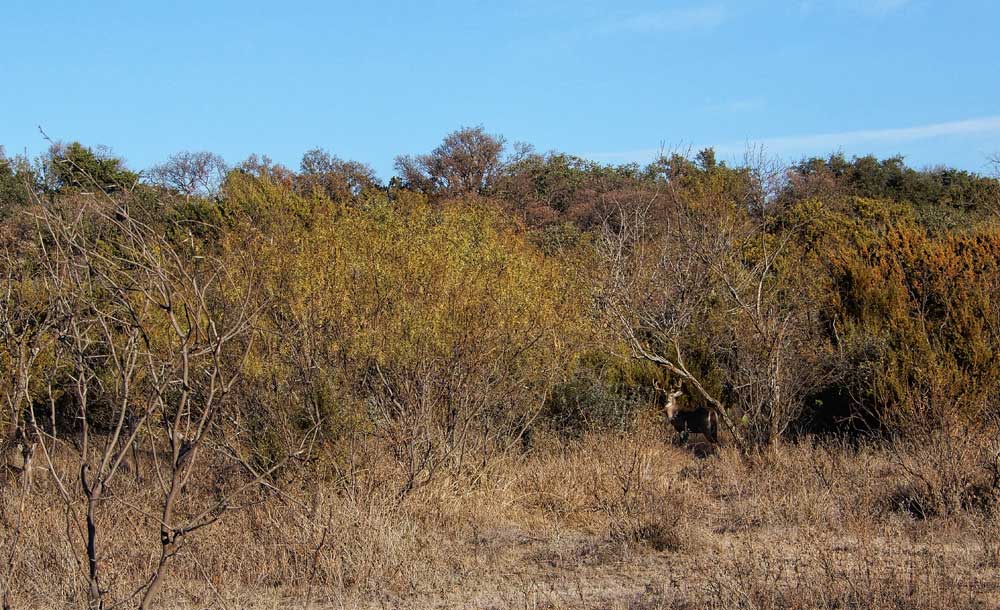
[
  {"x": 196, "y": 217},
  {"x": 470, "y": 286},
  {"x": 604, "y": 392},
  {"x": 17, "y": 181},
  {"x": 75, "y": 166},
  {"x": 942, "y": 199},
  {"x": 558, "y": 188}
]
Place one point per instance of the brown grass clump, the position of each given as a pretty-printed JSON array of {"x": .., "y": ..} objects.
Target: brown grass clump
[{"x": 948, "y": 471}]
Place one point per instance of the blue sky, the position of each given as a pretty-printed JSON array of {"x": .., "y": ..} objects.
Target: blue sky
[{"x": 610, "y": 80}]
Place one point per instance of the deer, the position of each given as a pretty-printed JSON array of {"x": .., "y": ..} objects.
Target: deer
[
  {"x": 701, "y": 420},
  {"x": 15, "y": 455}
]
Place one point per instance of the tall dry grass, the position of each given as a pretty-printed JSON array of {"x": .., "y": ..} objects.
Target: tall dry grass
[{"x": 608, "y": 521}]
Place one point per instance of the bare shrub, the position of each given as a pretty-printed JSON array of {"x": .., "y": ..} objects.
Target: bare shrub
[
  {"x": 948, "y": 470},
  {"x": 641, "y": 504},
  {"x": 671, "y": 265}
]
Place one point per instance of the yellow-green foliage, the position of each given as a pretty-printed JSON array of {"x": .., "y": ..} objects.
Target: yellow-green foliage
[
  {"x": 269, "y": 205},
  {"x": 448, "y": 307}
]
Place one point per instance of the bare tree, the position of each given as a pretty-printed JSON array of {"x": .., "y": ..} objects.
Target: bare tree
[
  {"x": 152, "y": 343},
  {"x": 24, "y": 336},
  {"x": 25, "y": 322},
  {"x": 338, "y": 179},
  {"x": 467, "y": 162},
  {"x": 191, "y": 173},
  {"x": 774, "y": 356},
  {"x": 656, "y": 292},
  {"x": 683, "y": 273},
  {"x": 767, "y": 176}
]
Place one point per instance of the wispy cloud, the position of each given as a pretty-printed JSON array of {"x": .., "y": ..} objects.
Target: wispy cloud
[
  {"x": 674, "y": 20},
  {"x": 826, "y": 142},
  {"x": 876, "y": 8}
]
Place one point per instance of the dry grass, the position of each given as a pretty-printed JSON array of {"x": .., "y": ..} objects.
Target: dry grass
[{"x": 611, "y": 521}]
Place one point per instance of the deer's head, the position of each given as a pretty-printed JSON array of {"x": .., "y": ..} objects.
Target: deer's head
[{"x": 673, "y": 394}]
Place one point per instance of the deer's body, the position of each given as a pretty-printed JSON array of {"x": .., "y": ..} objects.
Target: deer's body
[{"x": 700, "y": 421}]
